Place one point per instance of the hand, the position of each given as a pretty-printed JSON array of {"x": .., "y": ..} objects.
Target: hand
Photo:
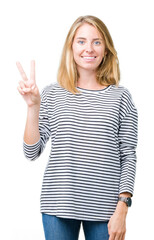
[
  {"x": 117, "y": 223},
  {"x": 27, "y": 88}
]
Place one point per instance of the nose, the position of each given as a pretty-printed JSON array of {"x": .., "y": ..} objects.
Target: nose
[{"x": 89, "y": 47}]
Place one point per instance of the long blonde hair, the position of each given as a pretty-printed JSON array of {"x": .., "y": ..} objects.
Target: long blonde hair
[{"x": 108, "y": 71}]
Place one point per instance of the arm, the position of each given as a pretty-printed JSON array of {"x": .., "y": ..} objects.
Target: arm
[
  {"x": 32, "y": 134},
  {"x": 33, "y": 150},
  {"x": 117, "y": 223},
  {"x": 37, "y": 129},
  {"x": 29, "y": 91},
  {"x": 127, "y": 147},
  {"x": 35, "y": 142}
]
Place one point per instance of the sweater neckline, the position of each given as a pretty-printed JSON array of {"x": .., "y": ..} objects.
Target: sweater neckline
[{"x": 94, "y": 91}]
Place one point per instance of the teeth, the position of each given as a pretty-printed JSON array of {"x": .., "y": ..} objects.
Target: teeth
[{"x": 89, "y": 57}]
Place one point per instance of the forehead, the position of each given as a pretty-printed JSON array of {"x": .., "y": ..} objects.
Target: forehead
[{"x": 88, "y": 30}]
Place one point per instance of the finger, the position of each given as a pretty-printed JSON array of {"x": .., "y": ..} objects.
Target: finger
[
  {"x": 21, "y": 84},
  {"x": 117, "y": 237},
  {"x": 20, "y": 90},
  {"x": 32, "y": 72},
  {"x": 27, "y": 90},
  {"x": 123, "y": 236},
  {"x": 24, "y": 88},
  {"x": 112, "y": 237},
  {"x": 23, "y": 74},
  {"x": 25, "y": 84}
]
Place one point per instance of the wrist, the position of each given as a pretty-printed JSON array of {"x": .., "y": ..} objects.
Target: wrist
[
  {"x": 33, "y": 115},
  {"x": 125, "y": 194},
  {"x": 122, "y": 207},
  {"x": 125, "y": 197},
  {"x": 33, "y": 108}
]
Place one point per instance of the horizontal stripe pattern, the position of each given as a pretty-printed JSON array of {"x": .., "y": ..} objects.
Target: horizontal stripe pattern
[{"x": 93, "y": 150}]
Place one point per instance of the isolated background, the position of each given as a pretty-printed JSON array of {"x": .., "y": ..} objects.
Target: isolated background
[{"x": 35, "y": 29}]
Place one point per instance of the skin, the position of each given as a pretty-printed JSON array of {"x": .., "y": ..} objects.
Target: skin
[
  {"x": 87, "y": 42},
  {"x": 29, "y": 91}
]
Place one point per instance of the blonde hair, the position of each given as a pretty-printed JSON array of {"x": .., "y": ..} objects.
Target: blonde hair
[{"x": 108, "y": 71}]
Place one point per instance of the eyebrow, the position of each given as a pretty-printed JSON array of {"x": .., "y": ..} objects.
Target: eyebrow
[{"x": 93, "y": 38}]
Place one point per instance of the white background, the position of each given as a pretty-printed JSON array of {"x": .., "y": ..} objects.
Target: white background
[{"x": 35, "y": 29}]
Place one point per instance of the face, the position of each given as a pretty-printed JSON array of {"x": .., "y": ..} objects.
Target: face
[{"x": 88, "y": 48}]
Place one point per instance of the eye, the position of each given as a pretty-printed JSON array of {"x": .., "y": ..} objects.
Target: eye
[
  {"x": 97, "y": 43},
  {"x": 81, "y": 42}
]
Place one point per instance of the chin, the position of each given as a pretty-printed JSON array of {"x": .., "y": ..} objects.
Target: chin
[{"x": 89, "y": 68}]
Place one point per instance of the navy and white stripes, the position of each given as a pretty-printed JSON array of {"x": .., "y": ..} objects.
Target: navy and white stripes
[{"x": 93, "y": 157}]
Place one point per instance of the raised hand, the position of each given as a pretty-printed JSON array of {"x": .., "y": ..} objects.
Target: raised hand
[{"x": 27, "y": 87}]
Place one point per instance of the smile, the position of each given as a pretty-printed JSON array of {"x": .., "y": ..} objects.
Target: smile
[{"x": 88, "y": 58}]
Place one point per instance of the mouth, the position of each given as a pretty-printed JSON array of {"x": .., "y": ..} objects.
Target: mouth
[{"x": 88, "y": 57}]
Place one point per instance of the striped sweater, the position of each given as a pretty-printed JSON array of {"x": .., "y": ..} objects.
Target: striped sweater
[{"x": 93, "y": 150}]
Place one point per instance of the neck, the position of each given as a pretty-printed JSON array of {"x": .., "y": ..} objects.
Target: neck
[{"x": 87, "y": 79}]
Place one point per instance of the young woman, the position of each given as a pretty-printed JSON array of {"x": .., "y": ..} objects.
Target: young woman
[{"x": 92, "y": 122}]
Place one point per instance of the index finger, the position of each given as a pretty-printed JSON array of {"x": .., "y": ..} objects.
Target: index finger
[
  {"x": 23, "y": 74},
  {"x": 32, "y": 71}
]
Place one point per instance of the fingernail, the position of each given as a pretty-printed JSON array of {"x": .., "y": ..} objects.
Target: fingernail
[{"x": 33, "y": 87}]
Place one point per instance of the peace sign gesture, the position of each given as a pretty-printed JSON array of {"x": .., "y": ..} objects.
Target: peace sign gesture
[{"x": 27, "y": 87}]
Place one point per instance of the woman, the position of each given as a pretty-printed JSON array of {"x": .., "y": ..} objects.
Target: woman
[{"x": 92, "y": 122}]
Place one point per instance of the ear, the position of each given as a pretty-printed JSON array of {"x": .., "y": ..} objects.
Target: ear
[{"x": 105, "y": 52}]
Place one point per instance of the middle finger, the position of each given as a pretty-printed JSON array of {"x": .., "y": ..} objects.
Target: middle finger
[{"x": 32, "y": 72}]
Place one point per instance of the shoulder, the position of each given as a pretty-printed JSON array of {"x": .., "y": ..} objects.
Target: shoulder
[
  {"x": 123, "y": 93},
  {"x": 121, "y": 90},
  {"x": 126, "y": 101},
  {"x": 49, "y": 88}
]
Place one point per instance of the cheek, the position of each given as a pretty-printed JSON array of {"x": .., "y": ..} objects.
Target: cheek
[
  {"x": 76, "y": 54},
  {"x": 77, "y": 50},
  {"x": 101, "y": 53},
  {"x": 74, "y": 50}
]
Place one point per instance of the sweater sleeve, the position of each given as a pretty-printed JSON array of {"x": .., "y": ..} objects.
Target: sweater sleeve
[
  {"x": 128, "y": 142},
  {"x": 33, "y": 151}
]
